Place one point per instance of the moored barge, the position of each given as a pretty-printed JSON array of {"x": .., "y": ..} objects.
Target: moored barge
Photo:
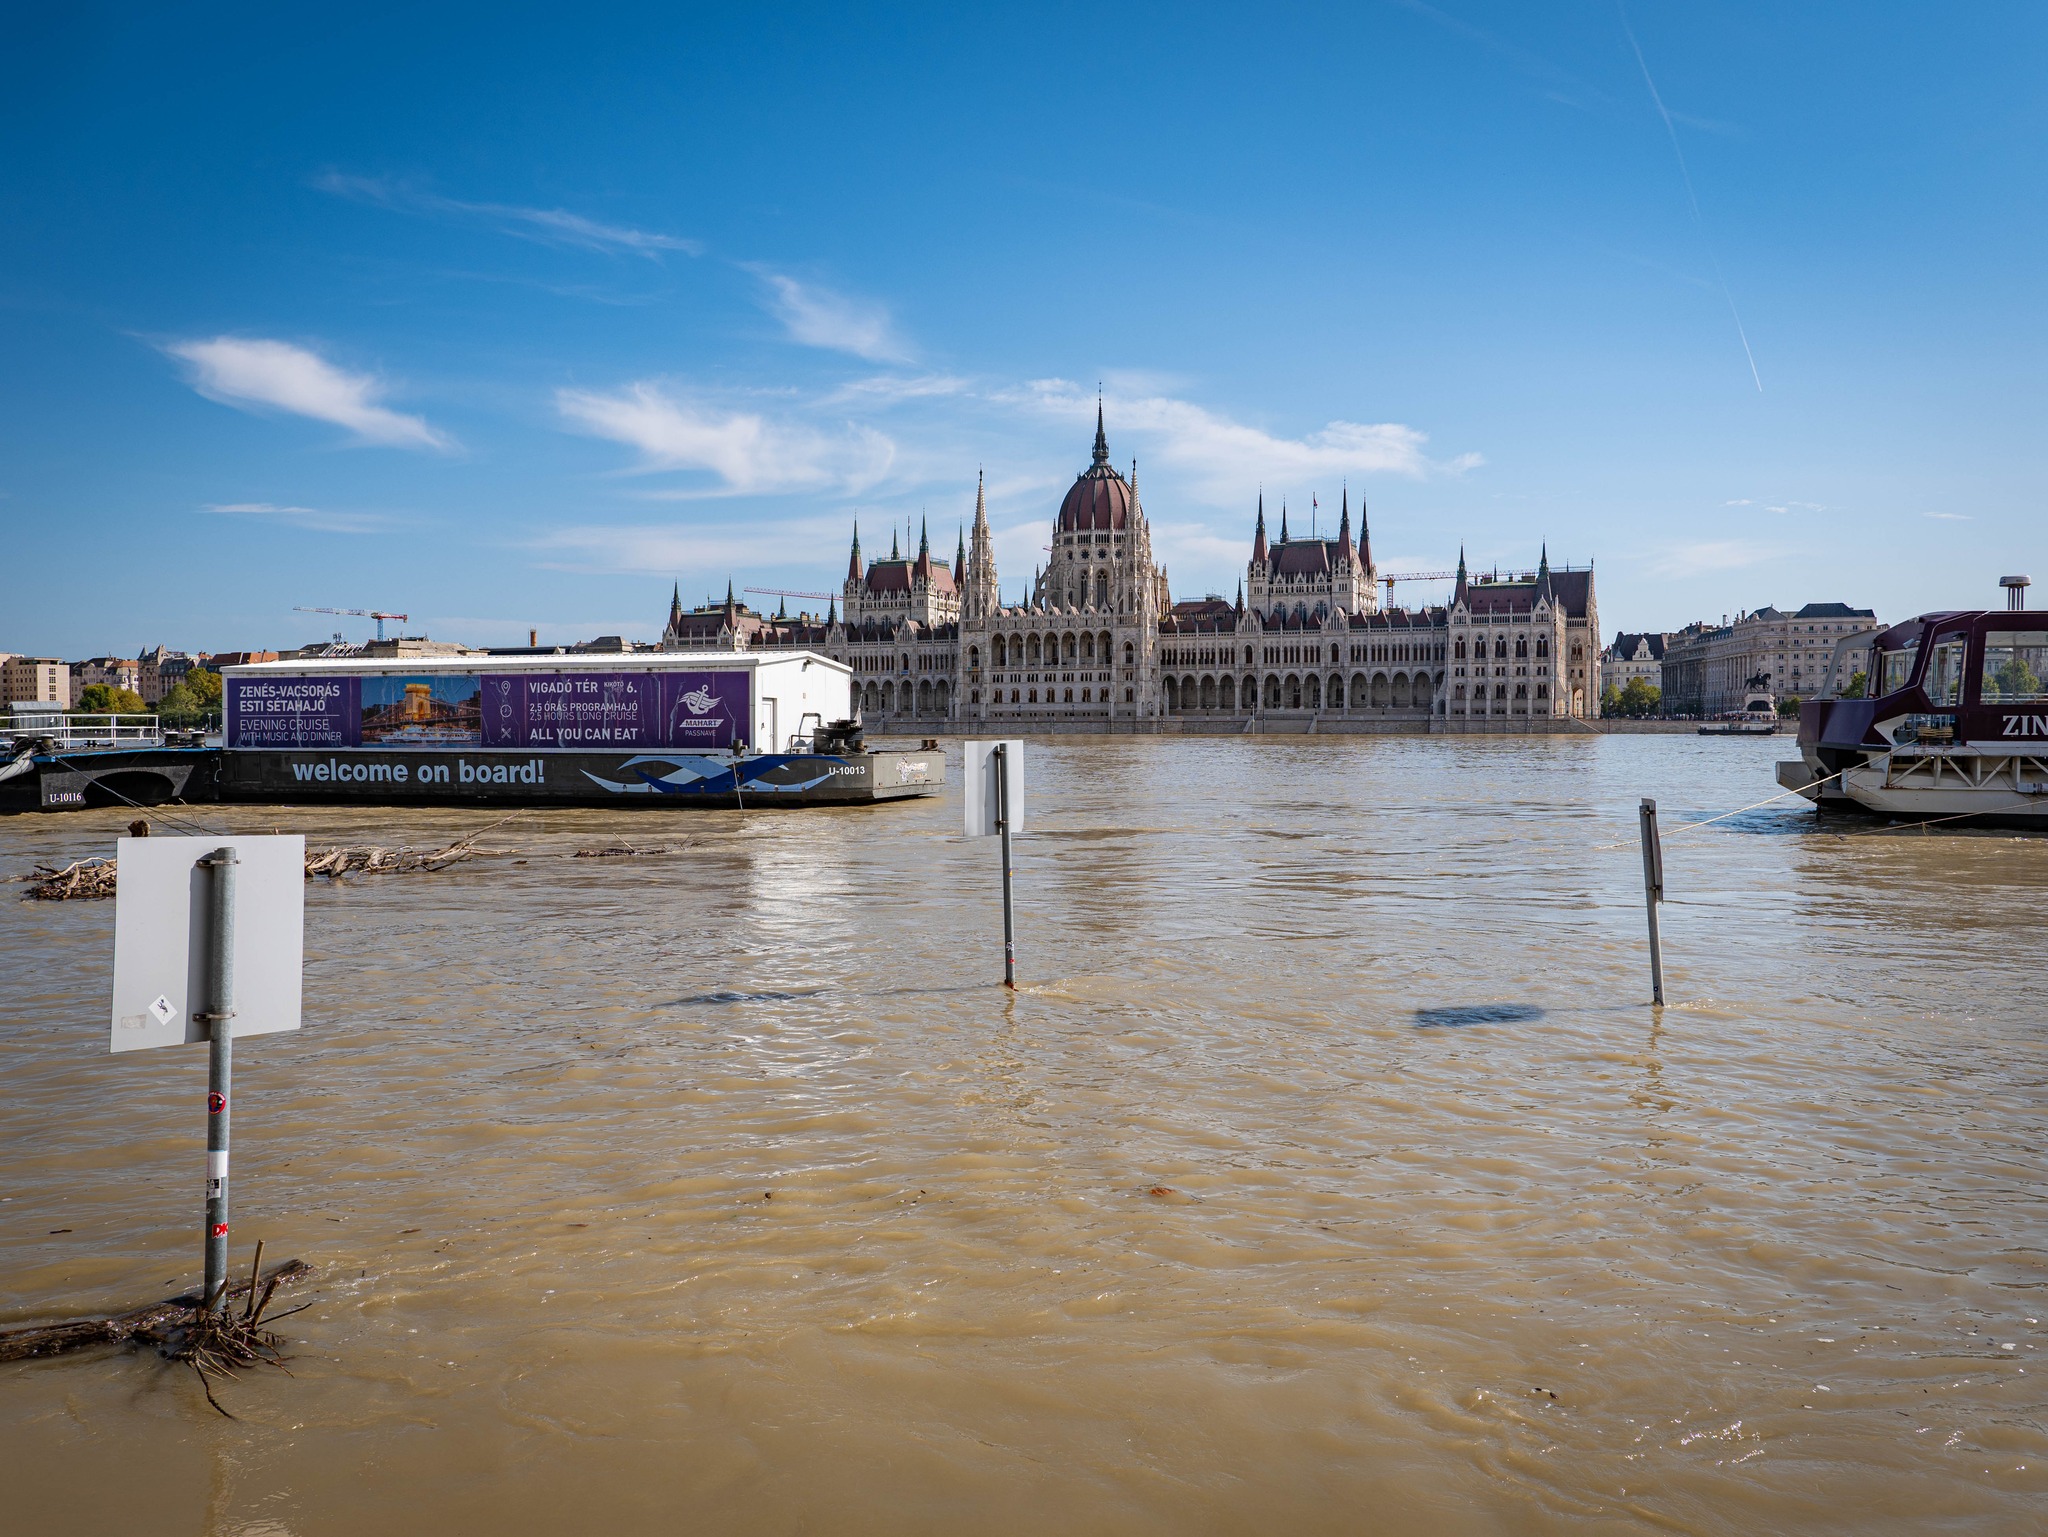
[
  {"x": 664, "y": 729},
  {"x": 1953, "y": 725}
]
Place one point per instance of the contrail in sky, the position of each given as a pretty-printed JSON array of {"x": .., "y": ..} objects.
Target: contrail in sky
[{"x": 1691, "y": 196}]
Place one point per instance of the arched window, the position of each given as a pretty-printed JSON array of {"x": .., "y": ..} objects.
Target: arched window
[
  {"x": 1500, "y": 647},
  {"x": 974, "y": 658},
  {"x": 1172, "y": 694},
  {"x": 1031, "y": 650},
  {"x": 1543, "y": 645},
  {"x": 1001, "y": 652},
  {"x": 1459, "y": 652},
  {"x": 1070, "y": 696},
  {"x": 1067, "y": 649},
  {"x": 1522, "y": 647},
  {"x": 1104, "y": 651},
  {"x": 1034, "y": 696},
  {"x": 1130, "y": 654},
  {"x": 1226, "y": 694},
  {"x": 1013, "y": 696},
  {"x": 1088, "y": 646}
]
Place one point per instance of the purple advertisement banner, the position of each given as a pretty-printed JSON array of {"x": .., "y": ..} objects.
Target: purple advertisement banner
[
  {"x": 294, "y": 712},
  {"x": 634, "y": 711}
]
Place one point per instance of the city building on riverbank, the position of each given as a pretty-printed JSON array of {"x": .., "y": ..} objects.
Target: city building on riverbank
[
  {"x": 1633, "y": 657},
  {"x": 1710, "y": 669},
  {"x": 1100, "y": 644},
  {"x": 35, "y": 680}
]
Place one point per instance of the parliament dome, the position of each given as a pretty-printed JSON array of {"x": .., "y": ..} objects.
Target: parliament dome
[{"x": 1100, "y": 498}]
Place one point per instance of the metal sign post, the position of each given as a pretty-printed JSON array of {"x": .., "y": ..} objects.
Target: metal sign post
[
  {"x": 1653, "y": 893},
  {"x": 995, "y": 808},
  {"x": 220, "y": 1010},
  {"x": 209, "y": 935}
]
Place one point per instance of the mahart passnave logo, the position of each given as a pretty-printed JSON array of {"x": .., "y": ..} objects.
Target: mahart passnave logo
[{"x": 700, "y": 701}]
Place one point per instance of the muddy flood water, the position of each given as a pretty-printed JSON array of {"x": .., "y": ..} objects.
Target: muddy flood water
[{"x": 1330, "y": 1172}]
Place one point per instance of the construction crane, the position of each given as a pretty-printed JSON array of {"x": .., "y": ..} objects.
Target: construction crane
[
  {"x": 359, "y": 613},
  {"x": 790, "y": 592},
  {"x": 1391, "y": 577}
]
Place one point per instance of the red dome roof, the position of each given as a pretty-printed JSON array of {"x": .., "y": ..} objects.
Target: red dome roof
[{"x": 1099, "y": 498}]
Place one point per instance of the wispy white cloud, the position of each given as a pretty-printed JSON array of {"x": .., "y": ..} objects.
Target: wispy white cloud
[
  {"x": 1227, "y": 458},
  {"x": 548, "y": 226},
  {"x": 1741, "y": 501},
  {"x": 705, "y": 554},
  {"x": 1950, "y": 517},
  {"x": 747, "y": 451},
  {"x": 820, "y": 317},
  {"x": 890, "y": 389},
  {"x": 314, "y": 518},
  {"x": 253, "y": 373},
  {"x": 1712, "y": 555}
]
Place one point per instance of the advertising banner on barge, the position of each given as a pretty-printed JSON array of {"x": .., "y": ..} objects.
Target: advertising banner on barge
[
  {"x": 486, "y": 777},
  {"x": 704, "y": 711}
]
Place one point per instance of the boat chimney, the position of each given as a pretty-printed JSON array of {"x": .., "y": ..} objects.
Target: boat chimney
[
  {"x": 533, "y": 637},
  {"x": 2015, "y": 590}
]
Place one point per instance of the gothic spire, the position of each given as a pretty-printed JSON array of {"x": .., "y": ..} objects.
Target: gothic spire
[
  {"x": 1364, "y": 534},
  {"x": 1101, "y": 438},
  {"x": 1259, "y": 534},
  {"x": 1458, "y": 594},
  {"x": 1283, "y": 520},
  {"x": 895, "y": 549},
  {"x": 959, "y": 556},
  {"x": 853, "y": 560},
  {"x": 1344, "y": 523},
  {"x": 675, "y": 608}
]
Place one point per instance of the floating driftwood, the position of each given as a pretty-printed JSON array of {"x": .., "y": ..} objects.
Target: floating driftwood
[
  {"x": 94, "y": 878},
  {"x": 85, "y": 878},
  {"x": 627, "y": 851},
  {"x": 162, "y": 1324}
]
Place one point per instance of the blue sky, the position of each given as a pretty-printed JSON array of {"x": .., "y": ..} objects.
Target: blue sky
[{"x": 508, "y": 318}]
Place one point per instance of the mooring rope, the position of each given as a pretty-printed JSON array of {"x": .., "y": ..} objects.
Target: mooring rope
[{"x": 1724, "y": 816}]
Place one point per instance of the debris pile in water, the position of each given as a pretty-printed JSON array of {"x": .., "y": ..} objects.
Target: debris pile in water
[
  {"x": 85, "y": 878},
  {"x": 94, "y": 878},
  {"x": 214, "y": 1343}
]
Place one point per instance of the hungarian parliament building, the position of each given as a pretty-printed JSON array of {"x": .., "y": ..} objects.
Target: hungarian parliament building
[{"x": 1101, "y": 645}]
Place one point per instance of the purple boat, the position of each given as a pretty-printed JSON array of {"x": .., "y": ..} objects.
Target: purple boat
[{"x": 1952, "y": 725}]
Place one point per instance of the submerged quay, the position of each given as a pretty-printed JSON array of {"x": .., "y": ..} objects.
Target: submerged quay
[{"x": 1328, "y": 1167}]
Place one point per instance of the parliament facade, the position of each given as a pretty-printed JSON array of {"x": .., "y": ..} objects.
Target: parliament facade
[{"x": 1100, "y": 644}]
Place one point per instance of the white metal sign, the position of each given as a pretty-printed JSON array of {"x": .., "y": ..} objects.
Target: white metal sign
[
  {"x": 161, "y": 923},
  {"x": 980, "y": 775}
]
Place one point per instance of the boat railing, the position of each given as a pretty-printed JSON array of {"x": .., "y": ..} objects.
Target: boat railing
[{"x": 67, "y": 732}]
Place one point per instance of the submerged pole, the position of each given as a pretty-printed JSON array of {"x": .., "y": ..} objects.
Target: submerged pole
[
  {"x": 1002, "y": 757},
  {"x": 220, "y": 1011},
  {"x": 1653, "y": 893}
]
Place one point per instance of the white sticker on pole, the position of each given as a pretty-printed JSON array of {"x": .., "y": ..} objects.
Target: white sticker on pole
[
  {"x": 980, "y": 775},
  {"x": 162, "y": 914}
]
